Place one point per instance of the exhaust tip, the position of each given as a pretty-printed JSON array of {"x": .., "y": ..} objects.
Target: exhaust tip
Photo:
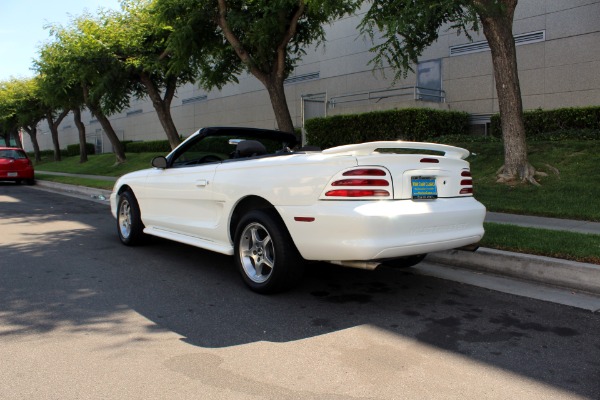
[{"x": 470, "y": 247}]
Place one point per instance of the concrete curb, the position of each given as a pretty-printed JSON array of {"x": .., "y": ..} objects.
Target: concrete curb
[
  {"x": 550, "y": 271},
  {"x": 79, "y": 191}
]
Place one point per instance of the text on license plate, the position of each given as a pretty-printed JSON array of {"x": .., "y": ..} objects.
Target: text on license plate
[
  {"x": 12, "y": 174},
  {"x": 423, "y": 187}
]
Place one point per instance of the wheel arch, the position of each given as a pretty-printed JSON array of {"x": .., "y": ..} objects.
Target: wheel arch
[
  {"x": 123, "y": 189},
  {"x": 247, "y": 204}
]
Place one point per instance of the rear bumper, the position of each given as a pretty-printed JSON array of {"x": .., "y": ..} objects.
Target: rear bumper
[
  {"x": 372, "y": 230},
  {"x": 16, "y": 175}
]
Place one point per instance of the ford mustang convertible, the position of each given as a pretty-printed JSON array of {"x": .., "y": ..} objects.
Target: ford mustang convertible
[{"x": 253, "y": 194}]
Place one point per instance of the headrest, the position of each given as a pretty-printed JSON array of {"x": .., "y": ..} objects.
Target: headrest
[{"x": 249, "y": 148}]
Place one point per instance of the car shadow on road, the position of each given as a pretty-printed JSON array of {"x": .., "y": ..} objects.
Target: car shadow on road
[{"x": 64, "y": 268}]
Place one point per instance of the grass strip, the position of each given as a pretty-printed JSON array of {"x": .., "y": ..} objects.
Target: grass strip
[
  {"x": 93, "y": 183},
  {"x": 558, "y": 244},
  {"x": 572, "y": 193},
  {"x": 102, "y": 164}
]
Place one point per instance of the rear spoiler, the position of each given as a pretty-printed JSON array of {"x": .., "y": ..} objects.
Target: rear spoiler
[{"x": 363, "y": 149}]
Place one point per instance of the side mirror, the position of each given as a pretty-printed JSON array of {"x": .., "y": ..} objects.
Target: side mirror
[{"x": 159, "y": 162}]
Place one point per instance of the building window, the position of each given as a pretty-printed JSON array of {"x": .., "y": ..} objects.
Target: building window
[
  {"x": 475, "y": 47},
  {"x": 429, "y": 81}
]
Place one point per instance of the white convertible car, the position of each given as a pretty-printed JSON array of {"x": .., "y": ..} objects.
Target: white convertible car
[{"x": 250, "y": 193}]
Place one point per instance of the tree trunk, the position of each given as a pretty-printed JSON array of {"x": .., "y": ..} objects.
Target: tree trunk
[
  {"x": 82, "y": 140},
  {"x": 163, "y": 107},
  {"x": 497, "y": 28},
  {"x": 118, "y": 147},
  {"x": 279, "y": 103},
  {"x": 53, "y": 125},
  {"x": 32, "y": 132},
  {"x": 54, "y": 134},
  {"x": 15, "y": 134},
  {"x": 272, "y": 79}
]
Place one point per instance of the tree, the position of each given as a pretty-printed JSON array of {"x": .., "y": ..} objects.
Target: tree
[
  {"x": 60, "y": 91},
  {"x": 410, "y": 26},
  {"x": 267, "y": 37},
  {"x": 79, "y": 58},
  {"x": 138, "y": 41},
  {"x": 21, "y": 107}
]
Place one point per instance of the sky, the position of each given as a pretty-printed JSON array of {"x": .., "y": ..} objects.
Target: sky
[{"x": 22, "y": 30}]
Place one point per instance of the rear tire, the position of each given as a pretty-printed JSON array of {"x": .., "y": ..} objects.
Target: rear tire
[
  {"x": 129, "y": 222},
  {"x": 265, "y": 254}
]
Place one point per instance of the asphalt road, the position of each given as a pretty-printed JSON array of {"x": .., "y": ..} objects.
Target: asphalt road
[{"x": 84, "y": 317}]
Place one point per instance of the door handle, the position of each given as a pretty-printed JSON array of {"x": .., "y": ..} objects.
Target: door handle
[{"x": 201, "y": 182}]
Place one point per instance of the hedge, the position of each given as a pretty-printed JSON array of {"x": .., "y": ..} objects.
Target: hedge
[
  {"x": 152, "y": 146},
  {"x": 416, "y": 124},
  {"x": 557, "y": 124},
  {"x": 73, "y": 149}
]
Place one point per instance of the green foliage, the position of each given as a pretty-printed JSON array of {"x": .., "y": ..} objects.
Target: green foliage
[
  {"x": 152, "y": 146},
  {"x": 48, "y": 154},
  {"x": 73, "y": 149},
  {"x": 261, "y": 27},
  {"x": 20, "y": 104},
  {"x": 403, "y": 29},
  {"x": 415, "y": 124},
  {"x": 581, "y": 123},
  {"x": 81, "y": 56}
]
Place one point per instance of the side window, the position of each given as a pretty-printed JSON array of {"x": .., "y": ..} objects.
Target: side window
[{"x": 207, "y": 150}]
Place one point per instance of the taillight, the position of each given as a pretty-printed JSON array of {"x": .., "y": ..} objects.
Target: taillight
[
  {"x": 365, "y": 171},
  {"x": 361, "y": 183},
  {"x": 357, "y": 193},
  {"x": 466, "y": 184}
]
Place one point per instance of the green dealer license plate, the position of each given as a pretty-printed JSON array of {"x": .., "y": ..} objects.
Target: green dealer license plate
[{"x": 423, "y": 188}]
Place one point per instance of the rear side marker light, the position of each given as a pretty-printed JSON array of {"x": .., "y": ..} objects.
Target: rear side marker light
[
  {"x": 357, "y": 193},
  {"x": 465, "y": 173},
  {"x": 304, "y": 219},
  {"x": 466, "y": 191},
  {"x": 466, "y": 182}
]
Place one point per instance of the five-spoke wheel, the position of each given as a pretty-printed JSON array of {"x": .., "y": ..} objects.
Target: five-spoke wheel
[
  {"x": 129, "y": 223},
  {"x": 265, "y": 254}
]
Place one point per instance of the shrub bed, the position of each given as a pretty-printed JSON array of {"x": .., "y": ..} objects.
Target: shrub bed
[
  {"x": 581, "y": 123},
  {"x": 417, "y": 124},
  {"x": 73, "y": 149},
  {"x": 152, "y": 146}
]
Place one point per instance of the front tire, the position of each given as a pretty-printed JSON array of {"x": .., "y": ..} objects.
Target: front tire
[
  {"x": 265, "y": 253},
  {"x": 129, "y": 222}
]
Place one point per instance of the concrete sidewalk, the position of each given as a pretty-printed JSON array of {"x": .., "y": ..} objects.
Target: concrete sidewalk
[
  {"x": 550, "y": 271},
  {"x": 544, "y": 223}
]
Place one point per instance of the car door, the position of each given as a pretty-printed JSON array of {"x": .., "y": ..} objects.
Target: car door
[{"x": 180, "y": 200}]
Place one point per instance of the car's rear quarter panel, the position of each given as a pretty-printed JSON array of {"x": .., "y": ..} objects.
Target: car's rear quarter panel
[{"x": 351, "y": 229}]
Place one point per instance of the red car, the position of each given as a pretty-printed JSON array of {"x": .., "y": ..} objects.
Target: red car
[{"x": 15, "y": 165}]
